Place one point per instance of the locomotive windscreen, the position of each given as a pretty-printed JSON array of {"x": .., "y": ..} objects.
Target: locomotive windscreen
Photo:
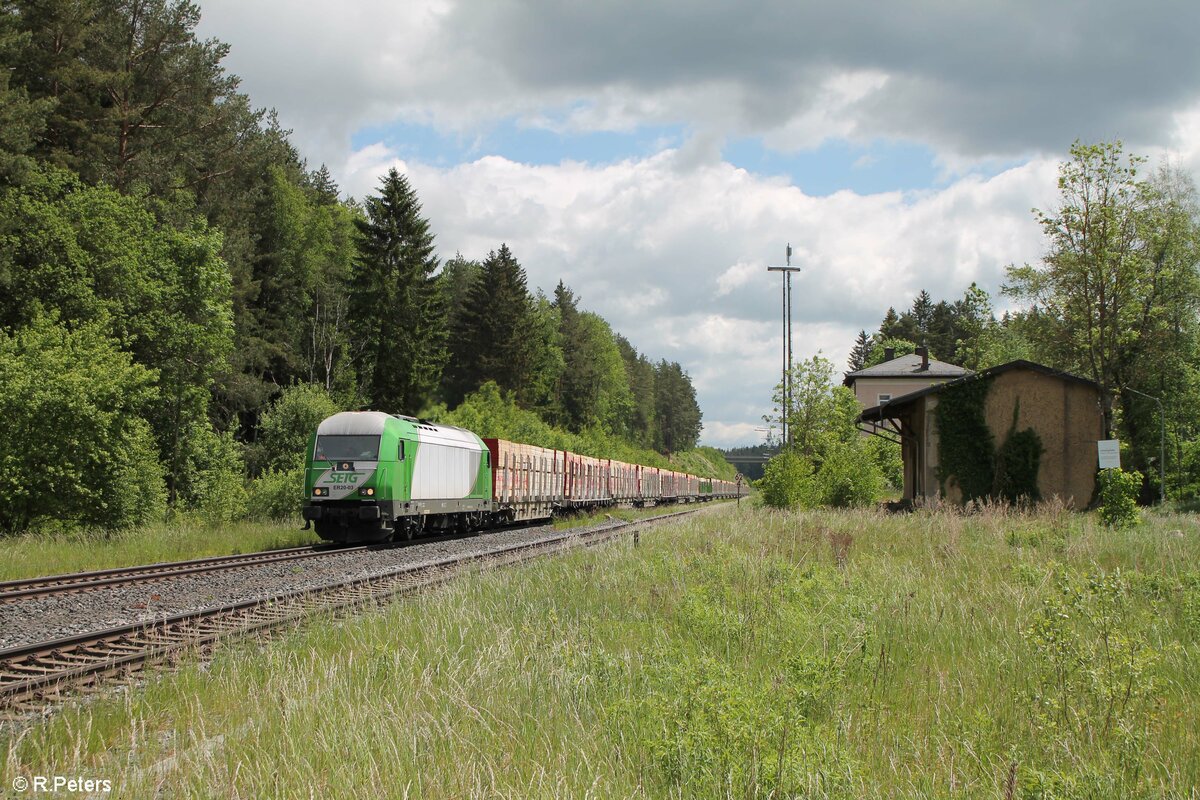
[{"x": 347, "y": 448}]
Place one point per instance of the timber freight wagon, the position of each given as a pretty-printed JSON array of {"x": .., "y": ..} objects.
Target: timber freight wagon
[
  {"x": 586, "y": 482},
  {"x": 528, "y": 481}
]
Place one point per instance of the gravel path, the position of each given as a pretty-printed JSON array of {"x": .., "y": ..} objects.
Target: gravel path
[{"x": 47, "y": 618}]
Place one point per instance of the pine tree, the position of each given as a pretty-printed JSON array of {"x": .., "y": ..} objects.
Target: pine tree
[
  {"x": 861, "y": 351},
  {"x": 887, "y": 327},
  {"x": 570, "y": 394},
  {"x": 396, "y": 308},
  {"x": 324, "y": 185},
  {"x": 679, "y": 417},
  {"x": 922, "y": 314},
  {"x": 942, "y": 337},
  {"x": 491, "y": 339}
]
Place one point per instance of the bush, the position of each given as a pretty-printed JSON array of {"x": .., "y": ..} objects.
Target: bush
[
  {"x": 276, "y": 494},
  {"x": 1118, "y": 497},
  {"x": 286, "y": 426},
  {"x": 215, "y": 476},
  {"x": 886, "y": 455},
  {"x": 788, "y": 481},
  {"x": 849, "y": 476},
  {"x": 75, "y": 447}
]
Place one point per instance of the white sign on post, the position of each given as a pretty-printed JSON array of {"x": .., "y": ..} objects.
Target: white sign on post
[{"x": 1110, "y": 453}]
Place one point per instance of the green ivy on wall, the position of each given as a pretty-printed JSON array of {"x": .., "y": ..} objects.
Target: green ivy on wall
[
  {"x": 1017, "y": 464},
  {"x": 967, "y": 451},
  {"x": 965, "y": 443}
]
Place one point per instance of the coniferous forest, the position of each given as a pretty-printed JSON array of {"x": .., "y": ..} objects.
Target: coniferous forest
[{"x": 183, "y": 297}]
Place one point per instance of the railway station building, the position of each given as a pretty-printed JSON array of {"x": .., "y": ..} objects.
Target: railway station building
[{"x": 1063, "y": 410}]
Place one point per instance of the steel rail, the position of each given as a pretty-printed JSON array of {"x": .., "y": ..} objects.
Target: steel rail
[
  {"x": 70, "y": 583},
  {"x": 28, "y": 672}
]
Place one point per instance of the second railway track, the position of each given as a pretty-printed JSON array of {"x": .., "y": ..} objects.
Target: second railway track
[
  {"x": 32, "y": 674},
  {"x": 17, "y": 590}
]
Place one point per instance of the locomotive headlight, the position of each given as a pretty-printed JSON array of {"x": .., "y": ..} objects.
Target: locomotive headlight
[
  {"x": 368, "y": 491},
  {"x": 320, "y": 491}
]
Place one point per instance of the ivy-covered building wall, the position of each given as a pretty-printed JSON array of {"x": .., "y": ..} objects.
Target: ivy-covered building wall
[{"x": 1016, "y": 431}]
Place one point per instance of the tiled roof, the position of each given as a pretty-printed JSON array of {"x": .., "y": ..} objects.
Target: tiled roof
[{"x": 908, "y": 366}]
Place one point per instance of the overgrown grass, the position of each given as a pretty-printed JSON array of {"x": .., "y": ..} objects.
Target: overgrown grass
[
  {"x": 46, "y": 552},
  {"x": 742, "y": 653}
]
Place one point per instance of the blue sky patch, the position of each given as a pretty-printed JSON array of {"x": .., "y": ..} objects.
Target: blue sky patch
[
  {"x": 519, "y": 142},
  {"x": 880, "y": 166}
]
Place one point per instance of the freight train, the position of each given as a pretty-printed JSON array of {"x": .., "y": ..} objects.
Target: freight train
[{"x": 371, "y": 477}]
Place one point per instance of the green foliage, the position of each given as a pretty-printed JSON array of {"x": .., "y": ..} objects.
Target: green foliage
[
  {"x": 862, "y": 351},
  {"x": 965, "y": 443},
  {"x": 849, "y": 477},
  {"x": 163, "y": 293},
  {"x": 1118, "y": 291},
  {"x": 286, "y": 426},
  {"x": 1096, "y": 669},
  {"x": 708, "y": 718},
  {"x": 888, "y": 459},
  {"x": 676, "y": 412},
  {"x": 75, "y": 448},
  {"x": 1017, "y": 462},
  {"x": 276, "y": 494},
  {"x": 789, "y": 482},
  {"x": 491, "y": 413},
  {"x": 902, "y": 347},
  {"x": 838, "y": 469},
  {"x": 821, "y": 412},
  {"x": 396, "y": 312},
  {"x": 491, "y": 340},
  {"x": 1118, "y": 497},
  {"x": 215, "y": 487}
]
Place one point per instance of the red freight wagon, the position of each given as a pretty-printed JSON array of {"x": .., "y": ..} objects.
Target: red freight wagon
[
  {"x": 622, "y": 482},
  {"x": 527, "y": 481},
  {"x": 651, "y": 485},
  {"x": 586, "y": 480},
  {"x": 670, "y": 484}
]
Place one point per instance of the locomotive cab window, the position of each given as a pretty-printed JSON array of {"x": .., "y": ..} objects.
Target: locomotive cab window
[
  {"x": 347, "y": 448},
  {"x": 400, "y": 451}
]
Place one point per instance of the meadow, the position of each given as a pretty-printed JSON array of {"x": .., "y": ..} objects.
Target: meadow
[{"x": 742, "y": 653}]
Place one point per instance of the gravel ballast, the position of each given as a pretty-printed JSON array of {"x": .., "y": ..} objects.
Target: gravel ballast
[{"x": 47, "y": 618}]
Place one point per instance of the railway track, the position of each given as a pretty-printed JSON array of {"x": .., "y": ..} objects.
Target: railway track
[
  {"x": 15, "y": 591},
  {"x": 37, "y": 673}
]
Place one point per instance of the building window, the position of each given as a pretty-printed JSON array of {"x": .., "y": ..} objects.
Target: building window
[{"x": 883, "y": 398}]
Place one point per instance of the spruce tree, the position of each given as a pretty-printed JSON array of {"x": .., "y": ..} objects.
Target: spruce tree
[
  {"x": 492, "y": 337},
  {"x": 570, "y": 400},
  {"x": 922, "y": 314},
  {"x": 396, "y": 309},
  {"x": 861, "y": 351},
  {"x": 887, "y": 327}
]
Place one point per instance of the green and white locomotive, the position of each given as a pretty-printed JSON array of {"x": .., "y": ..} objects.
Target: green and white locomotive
[{"x": 371, "y": 476}]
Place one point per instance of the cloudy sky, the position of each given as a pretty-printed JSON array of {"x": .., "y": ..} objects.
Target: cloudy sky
[{"x": 657, "y": 157}]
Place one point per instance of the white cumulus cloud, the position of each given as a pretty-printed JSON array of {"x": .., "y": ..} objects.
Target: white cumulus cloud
[{"x": 649, "y": 246}]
